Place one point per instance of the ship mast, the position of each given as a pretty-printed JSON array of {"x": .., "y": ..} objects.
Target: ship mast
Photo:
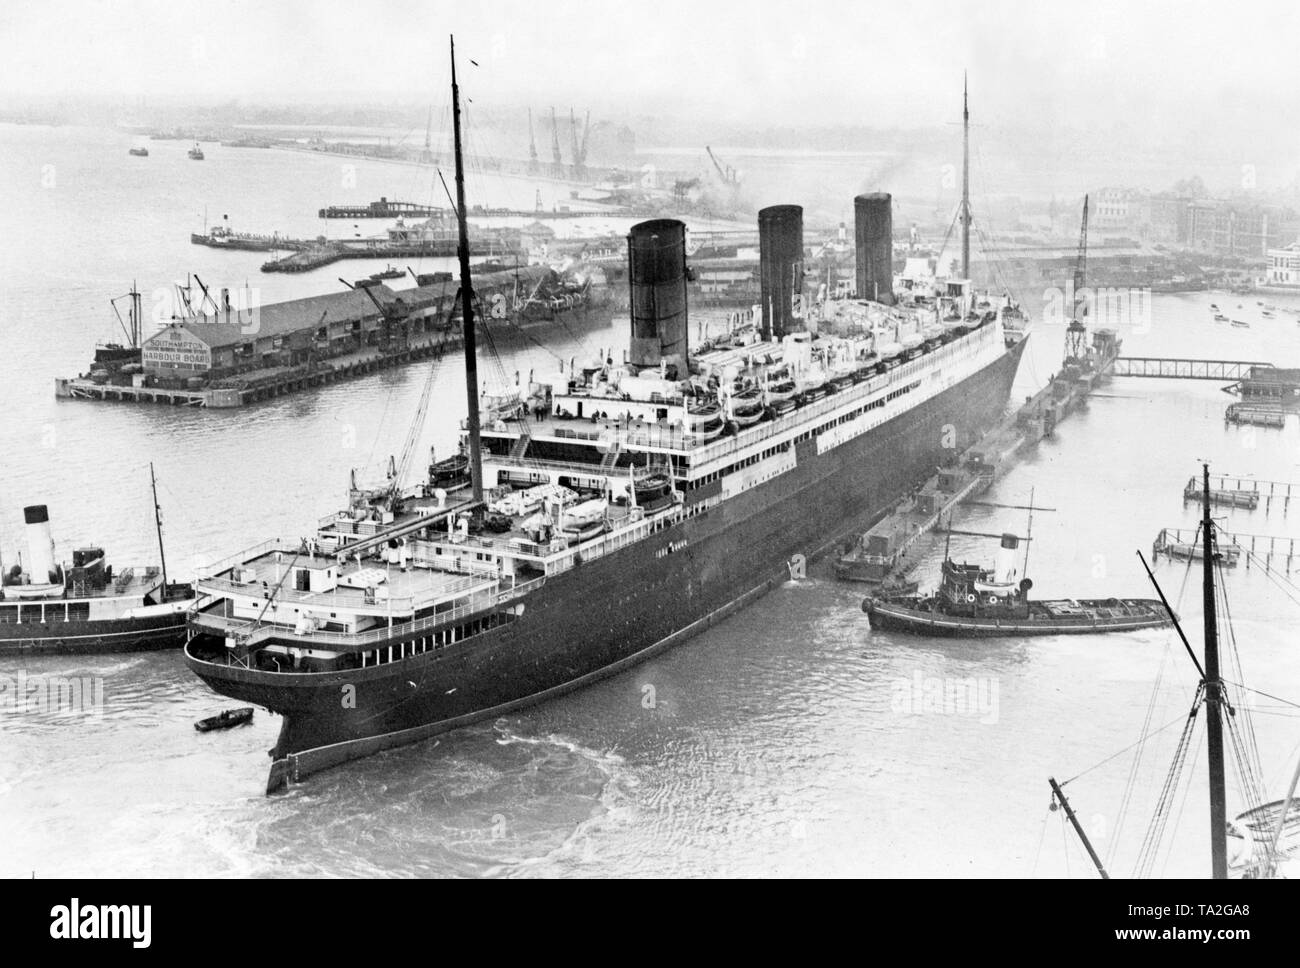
[
  {"x": 965, "y": 181},
  {"x": 466, "y": 298},
  {"x": 1213, "y": 696},
  {"x": 157, "y": 521}
]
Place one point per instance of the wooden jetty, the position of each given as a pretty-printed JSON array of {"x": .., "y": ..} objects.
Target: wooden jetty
[
  {"x": 257, "y": 386},
  {"x": 1259, "y": 548},
  {"x": 1265, "y": 491},
  {"x": 1254, "y": 415},
  {"x": 1233, "y": 497}
]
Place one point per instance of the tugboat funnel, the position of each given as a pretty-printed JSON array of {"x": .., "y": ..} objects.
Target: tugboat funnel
[
  {"x": 1005, "y": 567},
  {"x": 40, "y": 546}
]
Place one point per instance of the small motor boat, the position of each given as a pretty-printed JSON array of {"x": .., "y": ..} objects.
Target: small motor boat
[{"x": 226, "y": 719}]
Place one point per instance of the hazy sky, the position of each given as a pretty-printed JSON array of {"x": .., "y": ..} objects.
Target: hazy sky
[{"x": 845, "y": 62}]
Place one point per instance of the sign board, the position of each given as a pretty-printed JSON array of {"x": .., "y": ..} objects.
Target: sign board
[{"x": 175, "y": 349}]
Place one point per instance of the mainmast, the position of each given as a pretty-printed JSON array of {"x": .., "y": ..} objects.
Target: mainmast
[
  {"x": 965, "y": 181},
  {"x": 1213, "y": 696},
  {"x": 157, "y": 521},
  {"x": 466, "y": 298}
]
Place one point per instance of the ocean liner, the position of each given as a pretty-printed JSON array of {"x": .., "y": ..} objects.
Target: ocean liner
[{"x": 632, "y": 504}]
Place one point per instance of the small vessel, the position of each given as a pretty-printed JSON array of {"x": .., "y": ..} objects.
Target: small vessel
[
  {"x": 976, "y": 602},
  {"x": 747, "y": 407},
  {"x": 226, "y": 719},
  {"x": 450, "y": 471},
  {"x": 392, "y": 272},
  {"x": 1267, "y": 314},
  {"x": 84, "y": 607},
  {"x": 139, "y": 152},
  {"x": 1220, "y": 318},
  {"x": 1241, "y": 324},
  {"x": 652, "y": 489},
  {"x": 705, "y": 420},
  {"x": 196, "y": 153}
]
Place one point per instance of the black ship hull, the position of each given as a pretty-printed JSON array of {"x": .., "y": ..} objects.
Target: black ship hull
[
  {"x": 606, "y": 615},
  {"x": 93, "y": 637}
]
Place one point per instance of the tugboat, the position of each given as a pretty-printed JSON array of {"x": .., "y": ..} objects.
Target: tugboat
[
  {"x": 83, "y": 607},
  {"x": 226, "y": 719},
  {"x": 196, "y": 153},
  {"x": 975, "y": 602},
  {"x": 392, "y": 272},
  {"x": 139, "y": 152}
]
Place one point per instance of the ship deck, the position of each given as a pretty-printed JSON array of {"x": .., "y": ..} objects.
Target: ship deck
[
  {"x": 131, "y": 581},
  {"x": 406, "y": 590}
]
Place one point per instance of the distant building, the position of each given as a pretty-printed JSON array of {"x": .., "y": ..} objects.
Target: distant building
[
  {"x": 1235, "y": 229},
  {"x": 1283, "y": 266},
  {"x": 1168, "y": 218},
  {"x": 1112, "y": 210}
]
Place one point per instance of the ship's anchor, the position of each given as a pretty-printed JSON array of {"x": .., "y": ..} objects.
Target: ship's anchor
[{"x": 798, "y": 566}]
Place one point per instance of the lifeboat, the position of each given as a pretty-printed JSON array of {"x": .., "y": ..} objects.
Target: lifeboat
[
  {"x": 781, "y": 390},
  {"x": 706, "y": 420},
  {"x": 653, "y": 490},
  {"x": 747, "y": 408}
]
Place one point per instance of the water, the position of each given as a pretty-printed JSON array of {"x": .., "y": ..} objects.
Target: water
[{"x": 779, "y": 742}]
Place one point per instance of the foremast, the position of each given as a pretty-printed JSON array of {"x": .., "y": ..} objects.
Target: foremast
[
  {"x": 965, "y": 181},
  {"x": 466, "y": 299}
]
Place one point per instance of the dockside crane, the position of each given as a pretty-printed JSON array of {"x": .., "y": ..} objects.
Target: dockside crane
[
  {"x": 207, "y": 299},
  {"x": 394, "y": 335},
  {"x": 579, "y": 146},
  {"x": 428, "y": 138},
  {"x": 532, "y": 146},
  {"x": 1076, "y": 333},
  {"x": 558, "y": 163},
  {"x": 575, "y": 147},
  {"x": 726, "y": 172}
]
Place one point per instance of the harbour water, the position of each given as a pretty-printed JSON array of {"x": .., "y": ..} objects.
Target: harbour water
[{"x": 788, "y": 740}]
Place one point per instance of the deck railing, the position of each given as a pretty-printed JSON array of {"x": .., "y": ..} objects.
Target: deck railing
[{"x": 250, "y": 632}]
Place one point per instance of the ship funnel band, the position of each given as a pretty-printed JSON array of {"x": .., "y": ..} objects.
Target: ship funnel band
[
  {"x": 36, "y": 514},
  {"x": 1010, "y": 541}
]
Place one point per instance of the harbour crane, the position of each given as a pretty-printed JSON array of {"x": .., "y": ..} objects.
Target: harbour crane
[
  {"x": 390, "y": 318},
  {"x": 555, "y": 146},
  {"x": 727, "y": 173},
  {"x": 427, "y": 157},
  {"x": 532, "y": 146},
  {"x": 1076, "y": 334},
  {"x": 207, "y": 298},
  {"x": 579, "y": 147}
]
